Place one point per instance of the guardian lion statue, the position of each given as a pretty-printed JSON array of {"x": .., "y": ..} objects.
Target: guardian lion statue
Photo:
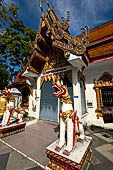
[
  {"x": 69, "y": 121},
  {"x": 7, "y": 108}
]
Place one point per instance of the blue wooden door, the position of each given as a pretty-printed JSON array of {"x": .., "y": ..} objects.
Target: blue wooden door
[{"x": 49, "y": 103}]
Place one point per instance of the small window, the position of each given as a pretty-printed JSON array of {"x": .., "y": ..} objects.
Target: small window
[{"x": 107, "y": 96}]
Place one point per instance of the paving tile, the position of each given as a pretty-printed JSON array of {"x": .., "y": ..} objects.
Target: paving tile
[
  {"x": 104, "y": 165},
  {"x": 3, "y": 161},
  {"x": 107, "y": 139},
  {"x": 96, "y": 141},
  {"x": 95, "y": 161},
  {"x": 106, "y": 150},
  {"x": 18, "y": 162},
  {"x": 4, "y": 149}
]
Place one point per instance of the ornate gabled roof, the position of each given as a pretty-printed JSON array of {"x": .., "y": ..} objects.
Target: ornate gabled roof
[
  {"x": 53, "y": 37},
  {"x": 58, "y": 32}
]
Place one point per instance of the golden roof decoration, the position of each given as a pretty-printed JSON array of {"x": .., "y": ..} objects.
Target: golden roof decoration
[{"x": 58, "y": 32}]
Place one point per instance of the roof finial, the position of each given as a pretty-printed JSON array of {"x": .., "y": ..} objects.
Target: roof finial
[
  {"x": 66, "y": 22},
  {"x": 41, "y": 8},
  {"x": 48, "y": 5}
]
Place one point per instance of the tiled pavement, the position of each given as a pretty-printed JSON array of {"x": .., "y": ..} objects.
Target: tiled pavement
[
  {"x": 26, "y": 150},
  {"x": 102, "y": 148},
  {"x": 31, "y": 145},
  {"x": 12, "y": 160}
]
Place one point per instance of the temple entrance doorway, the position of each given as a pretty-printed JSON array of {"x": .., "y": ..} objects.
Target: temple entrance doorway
[
  {"x": 48, "y": 103},
  {"x": 25, "y": 97}
]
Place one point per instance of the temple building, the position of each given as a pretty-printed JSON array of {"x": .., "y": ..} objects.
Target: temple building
[
  {"x": 99, "y": 75},
  {"x": 84, "y": 63}
]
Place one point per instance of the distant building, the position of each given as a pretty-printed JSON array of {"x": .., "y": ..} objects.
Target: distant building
[
  {"x": 17, "y": 95},
  {"x": 22, "y": 89}
]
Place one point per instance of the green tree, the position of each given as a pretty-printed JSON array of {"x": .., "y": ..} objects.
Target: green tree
[
  {"x": 3, "y": 77},
  {"x": 15, "y": 42}
]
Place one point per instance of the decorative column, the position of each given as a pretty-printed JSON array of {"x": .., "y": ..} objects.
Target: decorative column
[
  {"x": 76, "y": 93},
  {"x": 99, "y": 102},
  {"x": 38, "y": 98}
]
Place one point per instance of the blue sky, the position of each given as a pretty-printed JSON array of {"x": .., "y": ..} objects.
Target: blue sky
[{"x": 83, "y": 12}]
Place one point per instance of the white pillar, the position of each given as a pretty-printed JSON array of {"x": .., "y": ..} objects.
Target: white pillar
[
  {"x": 76, "y": 93},
  {"x": 30, "y": 106},
  {"x": 58, "y": 108},
  {"x": 38, "y": 98}
]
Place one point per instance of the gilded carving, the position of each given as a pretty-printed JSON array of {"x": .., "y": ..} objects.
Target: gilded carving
[
  {"x": 54, "y": 41},
  {"x": 53, "y": 60},
  {"x": 58, "y": 32},
  {"x": 52, "y": 77}
]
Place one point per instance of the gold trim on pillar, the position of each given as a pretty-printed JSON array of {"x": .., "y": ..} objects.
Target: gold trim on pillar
[{"x": 106, "y": 80}]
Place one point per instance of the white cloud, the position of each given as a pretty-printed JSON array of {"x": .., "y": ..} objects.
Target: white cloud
[{"x": 83, "y": 12}]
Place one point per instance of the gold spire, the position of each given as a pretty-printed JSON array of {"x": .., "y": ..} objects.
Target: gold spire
[
  {"x": 41, "y": 8},
  {"x": 48, "y": 5}
]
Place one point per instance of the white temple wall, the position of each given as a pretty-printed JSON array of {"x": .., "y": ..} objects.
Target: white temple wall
[
  {"x": 95, "y": 71},
  {"x": 33, "y": 102}
]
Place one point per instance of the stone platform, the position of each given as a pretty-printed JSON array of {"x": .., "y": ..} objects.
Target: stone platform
[
  {"x": 79, "y": 159},
  {"x": 12, "y": 129}
]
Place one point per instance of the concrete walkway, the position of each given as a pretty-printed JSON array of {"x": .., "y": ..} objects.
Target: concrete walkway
[
  {"x": 26, "y": 150},
  {"x": 33, "y": 141}
]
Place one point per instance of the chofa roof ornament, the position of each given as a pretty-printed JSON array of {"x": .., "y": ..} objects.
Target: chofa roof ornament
[
  {"x": 65, "y": 22},
  {"x": 42, "y": 7}
]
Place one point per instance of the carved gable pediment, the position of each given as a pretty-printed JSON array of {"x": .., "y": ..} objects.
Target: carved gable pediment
[{"x": 55, "y": 60}]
